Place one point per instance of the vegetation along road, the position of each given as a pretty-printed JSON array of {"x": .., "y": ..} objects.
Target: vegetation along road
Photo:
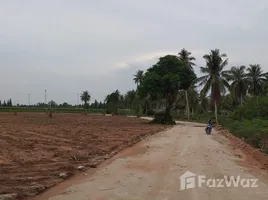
[{"x": 152, "y": 169}]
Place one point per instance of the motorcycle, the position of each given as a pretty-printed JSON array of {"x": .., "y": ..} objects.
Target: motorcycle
[{"x": 209, "y": 129}]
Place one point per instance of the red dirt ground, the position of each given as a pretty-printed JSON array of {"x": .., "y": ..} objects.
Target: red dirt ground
[
  {"x": 35, "y": 149},
  {"x": 254, "y": 157}
]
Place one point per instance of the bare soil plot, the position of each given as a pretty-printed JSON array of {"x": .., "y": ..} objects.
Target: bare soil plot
[{"x": 35, "y": 149}]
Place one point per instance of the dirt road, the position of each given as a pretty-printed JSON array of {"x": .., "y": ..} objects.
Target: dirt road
[{"x": 152, "y": 168}]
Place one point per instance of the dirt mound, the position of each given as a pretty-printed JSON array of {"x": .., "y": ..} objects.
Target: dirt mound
[
  {"x": 37, "y": 150},
  {"x": 252, "y": 154}
]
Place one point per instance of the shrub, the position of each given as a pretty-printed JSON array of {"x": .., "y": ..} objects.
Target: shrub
[
  {"x": 150, "y": 112},
  {"x": 163, "y": 117},
  {"x": 256, "y": 107},
  {"x": 255, "y": 132}
]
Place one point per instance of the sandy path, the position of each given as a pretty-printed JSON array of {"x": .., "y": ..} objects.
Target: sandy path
[{"x": 151, "y": 170}]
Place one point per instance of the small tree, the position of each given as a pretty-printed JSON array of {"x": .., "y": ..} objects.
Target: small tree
[
  {"x": 113, "y": 102},
  {"x": 52, "y": 104},
  {"x": 95, "y": 104}
]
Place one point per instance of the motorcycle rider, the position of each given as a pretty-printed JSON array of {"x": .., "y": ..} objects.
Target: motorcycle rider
[{"x": 209, "y": 124}]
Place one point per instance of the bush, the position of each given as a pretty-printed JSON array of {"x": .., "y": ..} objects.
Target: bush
[
  {"x": 112, "y": 109},
  {"x": 255, "y": 132},
  {"x": 150, "y": 112},
  {"x": 256, "y": 107},
  {"x": 163, "y": 117}
]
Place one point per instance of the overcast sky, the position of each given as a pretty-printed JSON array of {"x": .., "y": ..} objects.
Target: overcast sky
[{"x": 67, "y": 46}]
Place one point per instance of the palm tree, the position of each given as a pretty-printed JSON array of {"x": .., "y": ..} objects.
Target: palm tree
[
  {"x": 193, "y": 99},
  {"x": 187, "y": 59},
  {"x": 138, "y": 77},
  {"x": 256, "y": 79},
  {"x": 265, "y": 87},
  {"x": 214, "y": 79},
  {"x": 185, "y": 56},
  {"x": 85, "y": 97},
  {"x": 204, "y": 104},
  {"x": 239, "y": 83},
  {"x": 229, "y": 102}
]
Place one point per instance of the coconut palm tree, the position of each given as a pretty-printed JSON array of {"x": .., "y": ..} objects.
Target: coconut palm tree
[
  {"x": 239, "y": 80},
  {"x": 214, "y": 79},
  {"x": 193, "y": 96},
  {"x": 185, "y": 56},
  {"x": 85, "y": 97},
  {"x": 187, "y": 59},
  {"x": 204, "y": 104},
  {"x": 256, "y": 79},
  {"x": 265, "y": 87},
  {"x": 138, "y": 77}
]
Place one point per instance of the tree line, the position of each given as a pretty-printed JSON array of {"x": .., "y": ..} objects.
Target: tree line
[
  {"x": 171, "y": 85},
  {"x": 7, "y": 103}
]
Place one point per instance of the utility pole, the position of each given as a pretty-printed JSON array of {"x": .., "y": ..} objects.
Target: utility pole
[
  {"x": 45, "y": 97},
  {"x": 29, "y": 99},
  {"x": 77, "y": 100}
]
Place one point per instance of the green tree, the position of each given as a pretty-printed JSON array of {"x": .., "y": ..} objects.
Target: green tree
[
  {"x": 100, "y": 105},
  {"x": 239, "y": 80},
  {"x": 193, "y": 97},
  {"x": 229, "y": 102},
  {"x": 164, "y": 80},
  {"x": 113, "y": 101},
  {"x": 65, "y": 105},
  {"x": 95, "y": 104},
  {"x": 204, "y": 103},
  {"x": 52, "y": 104},
  {"x": 9, "y": 103},
  {"x": 85, "y": 97},
  {"x": 187, "y": 59},
  {"x": 138, "y": 77},
  {"x": 265, "y": 87},
  {"x": 4, "y": 104},
  {"x": 214, "y": 80},
  {"x": 256, "y": 79},
  {"x": 130, "y": 98}
]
